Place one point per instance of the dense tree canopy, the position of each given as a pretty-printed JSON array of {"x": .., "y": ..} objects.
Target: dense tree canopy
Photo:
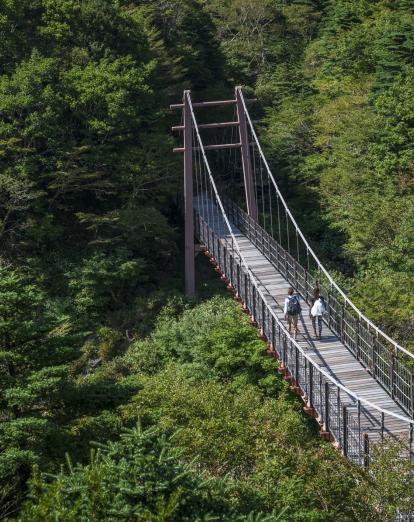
[{"x": 90, "y": 244}]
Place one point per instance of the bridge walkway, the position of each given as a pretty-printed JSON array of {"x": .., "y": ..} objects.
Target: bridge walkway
[{"x": 328, "y": 353}]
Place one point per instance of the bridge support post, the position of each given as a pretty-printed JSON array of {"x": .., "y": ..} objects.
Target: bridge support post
[
  {"x": 412, "y": 394},
  {"x": 188, "y": 199},
  {"x": 366, "y": 450},
  {"x": 245, "y": 152},
  {"x": 345, "y": 430}
]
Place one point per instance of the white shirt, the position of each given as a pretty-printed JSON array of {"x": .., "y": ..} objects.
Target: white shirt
[
  {"x": 285, "y": 309},
  {"x": 318, "y": 307}
]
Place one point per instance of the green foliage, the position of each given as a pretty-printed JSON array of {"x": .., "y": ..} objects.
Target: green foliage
[
  {"x": 219, "y": 425},
  {"x": 34, "y": 348},
  {"x": 188, "y": 33},
  {"x": 215, "y": 340},
  {"x": 90, "y": 254},
  {"x": 141, "y": 477},
  {"x": 256, "y": 36},
  {"x": 108, "y": 342},
  {"x": 389, "y": 484},
  {"x": 102, "y": 281},
  {"x": 84, "y": 169},
  {"x": 229, "y": 445}
]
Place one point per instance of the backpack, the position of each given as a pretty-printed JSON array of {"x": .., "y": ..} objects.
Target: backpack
[
  {"x": 293, "y": 307},
  {"x": 318, "y": 308}
]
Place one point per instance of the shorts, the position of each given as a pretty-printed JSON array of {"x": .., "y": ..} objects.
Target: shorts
[{"x": 293, "y": 319}]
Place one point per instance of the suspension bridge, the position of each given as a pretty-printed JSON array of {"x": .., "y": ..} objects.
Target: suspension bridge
[{"x": 356, "y": 381}]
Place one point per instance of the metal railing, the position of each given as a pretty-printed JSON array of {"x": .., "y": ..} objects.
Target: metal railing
[
  {"x": 338, "y": 409},
  {"x": 381, "y": 362}
]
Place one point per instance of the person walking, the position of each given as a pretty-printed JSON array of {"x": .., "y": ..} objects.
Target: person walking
[
  {"x": 316, "y": 310},
  {"x": 292, "y": 311}
]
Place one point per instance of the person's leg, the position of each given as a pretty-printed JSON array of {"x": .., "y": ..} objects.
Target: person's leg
[
  {"x": 314, "y": 324},
  {"x": 320, "y": 325},
  {"x": 289, "y": 320},
  {"x": 295, "y": 325}
]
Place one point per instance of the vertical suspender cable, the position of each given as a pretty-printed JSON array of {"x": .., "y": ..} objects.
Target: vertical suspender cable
[
  {"x": 202, "y": 184},
  {"x": 196, "y": 191},
  {"x": 287, "y": 231},
  {"x": 233, "y": 164},
  {"x": 270, "y": 206},
  {"x": 278, "y": 220},
  {"x": 205, "y": 192},
  {"x": 297, "y": 245},
  {"x": 255, "y": 177},
  {"x": 262, "y": 194}
]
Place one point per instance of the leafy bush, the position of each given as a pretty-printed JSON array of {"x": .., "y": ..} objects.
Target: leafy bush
[{"x": 140, "y": 477}]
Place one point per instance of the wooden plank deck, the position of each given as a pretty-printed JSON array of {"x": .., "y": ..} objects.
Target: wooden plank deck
[{"x": 329, "y": 352}]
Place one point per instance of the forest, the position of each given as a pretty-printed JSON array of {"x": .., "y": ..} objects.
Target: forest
[{"x": 120, "y": 399}]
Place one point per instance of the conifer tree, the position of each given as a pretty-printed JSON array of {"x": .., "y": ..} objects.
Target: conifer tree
[{"x": 34, "y": 348}]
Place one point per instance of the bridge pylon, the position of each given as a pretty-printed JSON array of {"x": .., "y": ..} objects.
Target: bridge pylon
[
  {"x": 188, "y": 198},
  {"x": 188, "y": 150},
  {"x": 246, "y": 160}
]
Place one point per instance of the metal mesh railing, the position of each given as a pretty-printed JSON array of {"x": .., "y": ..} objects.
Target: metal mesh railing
[
  {"x": 383, "y": 363},
  {"x": 338, "y": 409}
]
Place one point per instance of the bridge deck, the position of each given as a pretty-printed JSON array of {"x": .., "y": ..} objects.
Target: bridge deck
[{"x": 329, "y": 352}]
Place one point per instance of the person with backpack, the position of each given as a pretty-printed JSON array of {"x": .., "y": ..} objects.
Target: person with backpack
[
  {"x": 316, "y": 310},
  {"x": 292, "y": 311}
]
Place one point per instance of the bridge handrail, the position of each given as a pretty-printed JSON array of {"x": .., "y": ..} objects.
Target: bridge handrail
[
  {"x": 321, "y": 267},
  {"x": 235, "y": 243}
]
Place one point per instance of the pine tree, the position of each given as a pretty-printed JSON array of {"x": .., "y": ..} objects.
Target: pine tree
[
  {"x": 139, "y": 477},
  {"x": 395, "y": 49},
  {"x": 33, "y": 353}
]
